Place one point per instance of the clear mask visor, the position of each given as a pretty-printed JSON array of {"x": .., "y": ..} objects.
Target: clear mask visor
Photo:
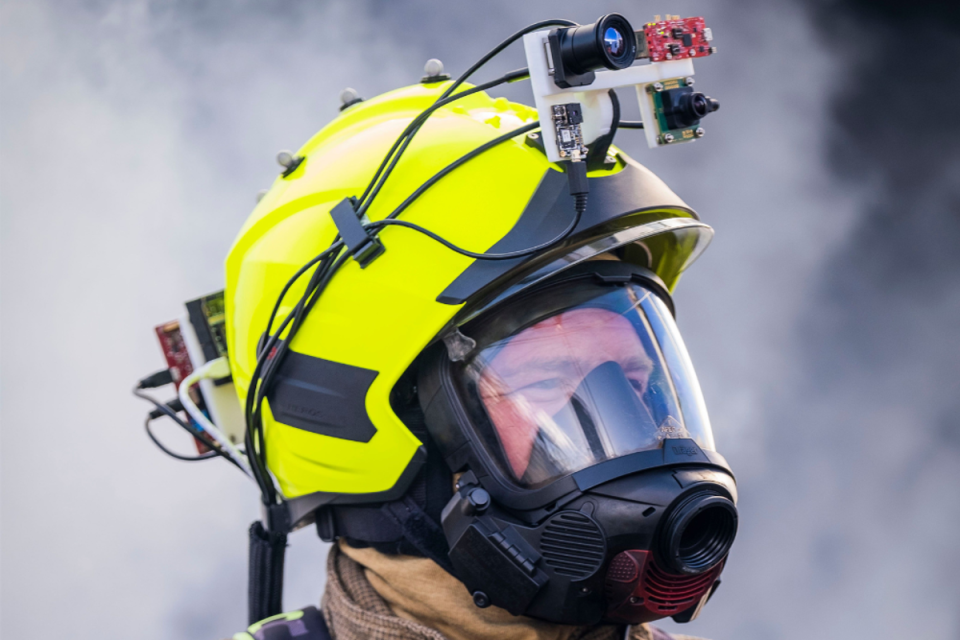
[{"x": 607, "y": 377}]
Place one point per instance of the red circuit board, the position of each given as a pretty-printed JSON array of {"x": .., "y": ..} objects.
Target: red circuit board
[
  {"x": 676, "y": 38},
  {"x": 178, "y": 360},
  {"x": 174, "y": 350}
]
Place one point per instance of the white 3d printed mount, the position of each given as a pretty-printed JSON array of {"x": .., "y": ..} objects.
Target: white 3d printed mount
[{"x": 597, "y": 108}]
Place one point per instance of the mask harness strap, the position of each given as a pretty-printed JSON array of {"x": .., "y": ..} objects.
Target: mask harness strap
[
  {"x": 421, "y": 531},
  {"x": 408, "y": 526}
]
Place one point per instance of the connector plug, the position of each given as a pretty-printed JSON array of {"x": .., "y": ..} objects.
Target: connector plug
[
  {"x": 155, "y": 380},
  {"x": 578, "y": 183},
  {"x": 216, "y": 369},
  {"x": 174, "y": 405}
]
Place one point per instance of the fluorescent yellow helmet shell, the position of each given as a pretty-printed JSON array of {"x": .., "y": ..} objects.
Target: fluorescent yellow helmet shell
[{"x": 381, "y": 318}]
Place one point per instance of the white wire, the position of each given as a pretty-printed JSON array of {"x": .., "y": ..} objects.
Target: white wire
[{"x": 218, "y": 368}]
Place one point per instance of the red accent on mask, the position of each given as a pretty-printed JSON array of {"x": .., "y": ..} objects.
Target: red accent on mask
[{"x": 638, "y": 590}]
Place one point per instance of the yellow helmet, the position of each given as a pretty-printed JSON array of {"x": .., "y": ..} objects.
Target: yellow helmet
[
  {"x": 450, "y": 346},
  {"x": 330, "y": 432}
]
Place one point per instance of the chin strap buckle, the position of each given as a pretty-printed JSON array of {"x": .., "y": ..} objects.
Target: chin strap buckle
[{"x": 365, "y": 247}]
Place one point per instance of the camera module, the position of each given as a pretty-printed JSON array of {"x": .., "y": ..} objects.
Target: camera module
[{"x": 608, "y": 43}]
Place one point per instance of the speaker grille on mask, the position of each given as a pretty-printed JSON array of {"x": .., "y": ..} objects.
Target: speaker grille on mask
[
  {"x": 669, "y": 594},
  {"x": 572, "y": 544}
]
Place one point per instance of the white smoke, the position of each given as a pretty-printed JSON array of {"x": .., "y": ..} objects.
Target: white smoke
[{"x": 134, "y": 138}]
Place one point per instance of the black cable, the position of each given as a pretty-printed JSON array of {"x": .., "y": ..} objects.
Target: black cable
[
  {"x": 406, "y": 137},
  {"x": 403, "y": 140},
  {"x": 503, "y": 45},
  {"x": 154, "y": 380},
  {"x": 257, "y": 388},
  {"x": 174, "y": 454},
  {"x": 194, "y": 431},
  {"x": 261, "y": 377},
  {"x": 296, "y": 276},
  {"x": 484, "y": 256},
  {"x": 269, "y": 362},
  {"x": 631, "y": 124},
  {"x": 329, "y": 262},
  {"x": 458, "y": 162},
  {"x": 271, "y": 354},
  {"x": 274, "y": 349}
]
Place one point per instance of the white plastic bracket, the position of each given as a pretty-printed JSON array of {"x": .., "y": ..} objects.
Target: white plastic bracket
[
  {"x": 221, "y": 400},
  {"x": 594, "y": 100}
]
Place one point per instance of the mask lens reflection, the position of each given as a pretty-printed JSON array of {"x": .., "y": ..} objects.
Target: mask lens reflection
[{"x": 581, "y": 386}]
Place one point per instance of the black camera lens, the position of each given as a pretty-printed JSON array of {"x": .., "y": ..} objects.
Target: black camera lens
[
  {"x": 695, "y": 106},
  {"x": 613, "y": 42},
  {"x": 607, "y": 43},
  {"x": 683, "y": 107}
]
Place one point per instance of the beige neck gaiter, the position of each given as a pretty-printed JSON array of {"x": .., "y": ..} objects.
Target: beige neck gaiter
[{"x": 418, "y": 589}]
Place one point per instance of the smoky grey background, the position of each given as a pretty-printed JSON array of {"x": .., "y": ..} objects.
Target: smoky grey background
[{"x": 824, "y": 320}]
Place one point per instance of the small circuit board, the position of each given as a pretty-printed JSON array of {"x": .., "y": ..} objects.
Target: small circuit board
[
  {"x": 667, "y": 96},
  {"x": 208, "y": 317},
  {"x": 178, "y": 361},
  {"x": 208, "y": 320},
  {"x": 174, "y": 350},
  {"x": 567, "y": 119},
  {"x": 675, "y": 38}
]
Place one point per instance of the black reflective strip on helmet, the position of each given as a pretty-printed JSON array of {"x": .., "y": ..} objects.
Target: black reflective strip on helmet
[{"x": 322, "y": 396}]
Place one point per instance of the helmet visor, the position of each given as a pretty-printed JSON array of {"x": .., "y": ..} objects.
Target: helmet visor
[{"x": 570, "y": 386}]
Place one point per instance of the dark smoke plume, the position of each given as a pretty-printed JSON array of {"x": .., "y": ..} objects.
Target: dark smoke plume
[{"x": 860, "y": 517}]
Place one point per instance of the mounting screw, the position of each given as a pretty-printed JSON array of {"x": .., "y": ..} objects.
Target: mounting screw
[
  {"x": 657, "y": 87},
  {"x": 533, "y": 136},
  {"x": 699, "y": 132},
  {"x": 349, "y": 97},
  {"x": 433, "y": 67},
  {"x": 285, "y": 159},
  {"x": 480, "y": 599},
  {"x": 433, "y": 72},
  {"x": 289, "y": 162},
  {"x": 667, "y": 138},
  {"x": 609, "y": 160},
  {"x": 689, "y": 81}
]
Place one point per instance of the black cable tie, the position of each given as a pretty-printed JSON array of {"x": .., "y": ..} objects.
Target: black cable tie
[{"x": 365, "y": 247}]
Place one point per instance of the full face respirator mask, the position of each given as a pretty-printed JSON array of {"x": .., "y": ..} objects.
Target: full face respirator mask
[{"x": 588, "y": 486}]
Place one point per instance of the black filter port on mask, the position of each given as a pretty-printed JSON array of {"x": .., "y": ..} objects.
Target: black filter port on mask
[
  {"x": 698, "y": 533},
  {"x": 577, "y": 52}
]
